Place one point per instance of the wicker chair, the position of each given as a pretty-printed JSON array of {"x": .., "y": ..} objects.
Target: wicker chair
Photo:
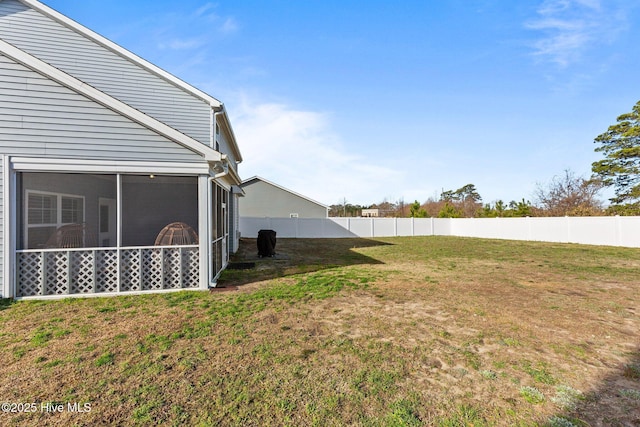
[
  {"x": 177, "y": 233},
  {"x": 71, "y": 236}
]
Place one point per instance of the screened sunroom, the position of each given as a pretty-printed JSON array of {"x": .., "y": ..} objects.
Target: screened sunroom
[{"x": 101, "y": 233}]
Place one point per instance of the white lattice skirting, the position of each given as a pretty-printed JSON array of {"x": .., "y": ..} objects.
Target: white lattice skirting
[{"x": 94, "y": 271}]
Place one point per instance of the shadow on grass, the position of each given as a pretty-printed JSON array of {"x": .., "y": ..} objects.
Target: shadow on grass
[
  {"x": 293, "y": 256},
  {"x": 5, "y": 303},
  {"x": 615, "y": 402}
]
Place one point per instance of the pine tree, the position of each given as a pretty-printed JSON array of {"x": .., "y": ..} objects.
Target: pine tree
[{"x": 620, "y": 168}]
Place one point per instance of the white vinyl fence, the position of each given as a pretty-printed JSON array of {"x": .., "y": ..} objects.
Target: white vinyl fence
[{"x": 605, "y": 230}]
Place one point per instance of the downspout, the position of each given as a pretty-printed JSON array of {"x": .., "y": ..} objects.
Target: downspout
[{"x": 214, "y": 127}]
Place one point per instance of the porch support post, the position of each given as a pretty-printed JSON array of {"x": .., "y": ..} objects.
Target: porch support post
[
  {"x": 9, "y": 286},
  {"x": 140, "y": 271},
  {"x": 94, "y": 272},
  {"x": 181, "y": 268},
  {"x": 68, "y": 272},
  {"x": 204, "y": 229},
  {"x": 43, "y": 266},
  {"x": 119, "y": 230},
  {"x": 162, "y": 273}
]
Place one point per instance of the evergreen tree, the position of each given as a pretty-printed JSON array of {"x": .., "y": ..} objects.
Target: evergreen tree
[
  {"x": 417, "y": 211},
  {"x": 620, "y": 168}
]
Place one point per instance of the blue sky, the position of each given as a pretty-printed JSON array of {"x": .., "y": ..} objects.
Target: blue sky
[{"x": 371, "y": 100}]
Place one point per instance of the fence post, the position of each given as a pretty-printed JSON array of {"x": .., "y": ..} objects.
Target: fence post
[{"x": 373, "y": 228}]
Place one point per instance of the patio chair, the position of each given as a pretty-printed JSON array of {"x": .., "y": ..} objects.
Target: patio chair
[
  {"x": 71, "y": 236},
  {"x": 177, "y": 233}
]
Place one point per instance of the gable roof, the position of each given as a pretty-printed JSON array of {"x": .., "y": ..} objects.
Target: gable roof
[
  {"x": 110, "y": 102},
  {"x": 256, "y": 178},
  {"x": 70, "y": 23},
  {"x": 214, "y": 103}
]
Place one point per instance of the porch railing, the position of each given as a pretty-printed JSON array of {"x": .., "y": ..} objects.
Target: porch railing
[{"x": 43, "y": 272}]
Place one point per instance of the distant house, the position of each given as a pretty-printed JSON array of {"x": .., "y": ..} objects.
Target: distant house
[
  {"x": 263, "y": 198},
  {"x": 115, "y": 176},
  {"x": 370, "y": 213}
]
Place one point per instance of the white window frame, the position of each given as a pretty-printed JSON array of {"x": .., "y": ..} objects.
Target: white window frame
[{"x": 58, "y": 222}]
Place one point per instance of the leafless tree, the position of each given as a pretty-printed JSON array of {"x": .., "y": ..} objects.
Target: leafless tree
[{"x": 569, "y": 195}]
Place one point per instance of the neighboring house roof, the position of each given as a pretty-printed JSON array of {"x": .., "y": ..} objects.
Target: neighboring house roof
[
  {"x": 110, "y": 102},
  {"x": 257, "y": 178},
  {"x": 217, "y": 105}
]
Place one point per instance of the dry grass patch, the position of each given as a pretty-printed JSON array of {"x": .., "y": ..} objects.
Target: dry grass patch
[{"x": 402, "y": 331}]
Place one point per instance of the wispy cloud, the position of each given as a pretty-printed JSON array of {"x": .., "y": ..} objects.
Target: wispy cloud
[
  {"x": 297, "y": 149},
  {"x": 182, "y": 44},
  {"x": 230, "y": 25},
  {"x": 204, "y": 9},
  {"x": 569, "y": 28},
  {"x": 224, "y": 25},
  {"x": 195, "y": 29}
]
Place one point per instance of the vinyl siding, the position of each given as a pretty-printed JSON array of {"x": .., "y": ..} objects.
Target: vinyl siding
[
  {"x": 265, "y": 200},
  {"x": 225, "y": 147},
  {"x": 39, "y": 117},
  {"x": 105, "y": 70}
]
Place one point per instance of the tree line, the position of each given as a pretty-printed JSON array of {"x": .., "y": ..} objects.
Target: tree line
[{"x": 565, "y": 195}]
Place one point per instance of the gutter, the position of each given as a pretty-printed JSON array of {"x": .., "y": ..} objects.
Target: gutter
[{"x": 223, "y": 168}]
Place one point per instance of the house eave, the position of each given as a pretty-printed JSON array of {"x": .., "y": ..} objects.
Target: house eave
[
  {"x": 50, "y": 164},
  {"x": 230, "y": 173}
]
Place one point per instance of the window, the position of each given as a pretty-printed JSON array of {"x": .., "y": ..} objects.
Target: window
[
  {"x": 48, "y": 211},
  {"x": 72, "y": 210},
  {"x": 42, "y": 208},
  {"x": 216, "y": 139}
]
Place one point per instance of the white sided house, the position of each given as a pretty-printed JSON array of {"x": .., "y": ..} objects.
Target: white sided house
[
  {"x": 115, "y": 176},
  {"x": 263, "y": 198}
]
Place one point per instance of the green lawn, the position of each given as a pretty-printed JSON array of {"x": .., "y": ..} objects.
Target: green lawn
[{"x": 436, "y": 331}]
